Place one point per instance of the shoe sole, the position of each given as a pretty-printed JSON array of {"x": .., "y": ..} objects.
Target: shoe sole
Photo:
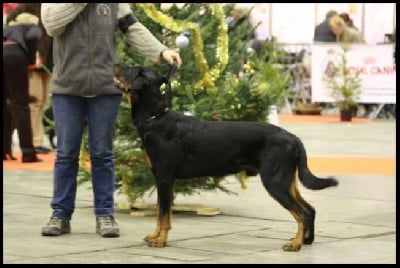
[
  {"x": 55, "y": 233},
  {"x": 108, "y": 235}
]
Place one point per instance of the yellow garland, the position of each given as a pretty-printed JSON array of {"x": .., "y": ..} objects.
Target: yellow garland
[
  {"x": 222, "y": 48},
  {"x": 208, "y": 76},
  {"x": 179, "y": 26}
]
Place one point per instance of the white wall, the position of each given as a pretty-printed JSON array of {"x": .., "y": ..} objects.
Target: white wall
[
  {"x": 293, "y": 22},
  {"x": 379, "y": 19}
]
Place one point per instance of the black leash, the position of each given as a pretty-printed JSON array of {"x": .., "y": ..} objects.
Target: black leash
[{"x": 168, "y": 92}]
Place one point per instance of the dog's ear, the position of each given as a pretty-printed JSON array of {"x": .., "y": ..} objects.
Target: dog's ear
[
  {"x": 134, "y": 72},
  {"x": 120, "y": 80},
  {"x": 125, "y": 76}
]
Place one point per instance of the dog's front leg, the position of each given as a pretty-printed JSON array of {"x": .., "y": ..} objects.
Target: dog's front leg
[
  {"x": 164, "y": 215},
  {"x": 151, "y": 237}
]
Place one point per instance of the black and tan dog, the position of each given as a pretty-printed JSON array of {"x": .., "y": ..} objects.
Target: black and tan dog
[{"x": 181, "y": 147}]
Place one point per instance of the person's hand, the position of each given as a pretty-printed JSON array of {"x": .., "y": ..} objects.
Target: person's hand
[{"x": 171, "y": 55}]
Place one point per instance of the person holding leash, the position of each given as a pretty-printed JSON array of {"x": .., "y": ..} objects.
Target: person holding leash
[{"x": 84, "y": 53}]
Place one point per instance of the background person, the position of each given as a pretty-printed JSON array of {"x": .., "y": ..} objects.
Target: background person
[
  {"x": 323, "y": 32},
  {"x": 344, "y": 33},
  {"x": 19, "y": 46},
  {"x": 349, "y": 22},
  {"x": 39, "y": 78}
]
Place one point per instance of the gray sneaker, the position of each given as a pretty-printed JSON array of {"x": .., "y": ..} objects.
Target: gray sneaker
[
  {"x": 56, "y": 226},
  {"x": 106, "y": 226}
]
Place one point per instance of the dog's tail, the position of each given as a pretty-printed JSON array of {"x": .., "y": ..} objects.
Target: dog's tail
[{"x": 308, "y": 179}]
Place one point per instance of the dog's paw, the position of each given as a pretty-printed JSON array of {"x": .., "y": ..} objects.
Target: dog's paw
[
  {"x": 150, "y": 237},
  {"x": 292, "y": 245},
  {"x": 155, "y": 241},
  {"x": 308, "y": 240}
]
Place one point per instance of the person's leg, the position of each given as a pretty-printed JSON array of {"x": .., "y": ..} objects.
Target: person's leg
[
  {"x": 15, "y": 64},
  {"x": 36, "y": 90},
  {"x": 102, "y": 114},
  {"x": 7, "y": 129},
  {"x": 19, "y": 97},
  {"x": 69, "y": 117}
]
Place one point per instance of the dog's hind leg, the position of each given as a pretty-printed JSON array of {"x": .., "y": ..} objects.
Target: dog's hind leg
[
  {"x": 278, "y": 178},
  {"x": 164, "y": 214},
  {"x": 309, "y": 213}
]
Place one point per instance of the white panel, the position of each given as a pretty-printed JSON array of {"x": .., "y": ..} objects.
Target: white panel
[
  {"x": 378, "y": 21},
  {"x": 260, "y": 14},
  {"x": 293, "y": 22}
]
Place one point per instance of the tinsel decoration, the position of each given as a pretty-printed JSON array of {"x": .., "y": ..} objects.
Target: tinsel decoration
[
  {"x": 208, "y": 76},
  {"x": 221, "y": 50}
]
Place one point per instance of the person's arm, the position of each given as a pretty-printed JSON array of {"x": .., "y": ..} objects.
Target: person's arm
[
  {"x": 141, "y": 39},
  {"x": 55, "y": 17}
]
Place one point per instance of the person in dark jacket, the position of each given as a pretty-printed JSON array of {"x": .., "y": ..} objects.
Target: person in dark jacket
[
  {"x": 39, "y": 78},
  {"x": 323, "y": 32},
  {"x": 83, "y": 90},
  {"x": 20, "y": 38}
]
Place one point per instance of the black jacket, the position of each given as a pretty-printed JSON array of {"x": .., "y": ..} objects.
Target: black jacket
[
  {"x": 323, "y": 33},
  {"x": 26, "y": 35}
]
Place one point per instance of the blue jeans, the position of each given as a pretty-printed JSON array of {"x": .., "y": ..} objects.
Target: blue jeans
[{"x": 70, "y": 113}]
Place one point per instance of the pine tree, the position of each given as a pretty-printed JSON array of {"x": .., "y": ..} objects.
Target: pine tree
[{"x": 218, "y": 80}]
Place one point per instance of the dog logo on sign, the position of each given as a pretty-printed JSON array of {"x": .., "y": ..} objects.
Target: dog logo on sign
[{"x": 103, "y": 9}]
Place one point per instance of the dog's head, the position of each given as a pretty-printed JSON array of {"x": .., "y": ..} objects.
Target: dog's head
[
  {"x": 134, "y": 78},
  {"x": 143, "y": 86},
  {"x": 138, "y": 80}
]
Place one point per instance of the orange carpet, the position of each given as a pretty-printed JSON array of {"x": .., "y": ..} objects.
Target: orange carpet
[
  {"x": 285, "y": 118},
  {"x": 328, "y": 165},
  {"x": 47, "y": 164}
]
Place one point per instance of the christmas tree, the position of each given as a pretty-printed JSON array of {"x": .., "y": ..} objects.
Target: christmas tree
[{"x": 220, "y": 79}]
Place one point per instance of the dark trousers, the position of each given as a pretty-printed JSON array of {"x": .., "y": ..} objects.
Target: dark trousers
[{"x": 16, "y": 100}]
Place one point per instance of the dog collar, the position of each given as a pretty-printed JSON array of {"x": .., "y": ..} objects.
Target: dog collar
[{"x": 157, "y": 115}]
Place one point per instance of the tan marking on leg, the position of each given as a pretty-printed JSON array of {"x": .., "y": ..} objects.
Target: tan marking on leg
[
  {"x": 161, "y": 239},
  {"x": 297, "y": 242},
  {"x": 294, "y": 191},
  {"x": 164, "y": 229},
  {"x": 150, "y": 237}
]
